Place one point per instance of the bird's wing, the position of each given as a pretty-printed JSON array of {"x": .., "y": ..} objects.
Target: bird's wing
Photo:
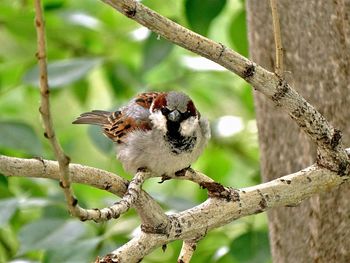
[{"x": 116, "y": 125}]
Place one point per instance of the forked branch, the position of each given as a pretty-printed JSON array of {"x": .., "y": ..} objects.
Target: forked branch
[{"x": 197, "y": 221}]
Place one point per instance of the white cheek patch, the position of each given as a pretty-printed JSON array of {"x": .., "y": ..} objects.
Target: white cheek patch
[
  {"x": 188, "y": 126},
  {"x": 159, "y": 121}
]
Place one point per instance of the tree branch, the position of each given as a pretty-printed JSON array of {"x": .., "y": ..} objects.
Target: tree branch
[
  {"x": 45, "y": 112},
  {"x": 278, "y": 40},
  {"x": 331, "y": 151},
  {"x": 187, "y": 250},
  {"x": 114, "y": 211},
  {"x": 150, "y": 212},
  {"x": 135, "y": 249},
  {"x": 289, "y": 190},
  {"x": 191, "y": 175}
]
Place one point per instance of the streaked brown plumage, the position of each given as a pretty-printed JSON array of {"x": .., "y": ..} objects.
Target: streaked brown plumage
[{"x": 161, "y": 131}]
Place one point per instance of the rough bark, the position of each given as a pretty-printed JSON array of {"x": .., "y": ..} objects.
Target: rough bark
[
  {"x": 223, "y": 206},
  {"x": 316, "y": 40}
]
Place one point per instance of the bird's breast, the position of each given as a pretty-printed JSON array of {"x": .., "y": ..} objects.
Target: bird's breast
[{"x": 180, "y": 144}]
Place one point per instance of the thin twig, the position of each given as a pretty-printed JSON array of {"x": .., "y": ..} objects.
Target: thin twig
[
  {"x": 114, "y": 211},
  {"x": 196, "y": 177},
  {"x": 278, "y": 39},
  {"x": 187, "y": 250},
  {"x": 44, "y": 109},
  {"x": 215, "y": 189},
  {"x": 190, "y": 175}
]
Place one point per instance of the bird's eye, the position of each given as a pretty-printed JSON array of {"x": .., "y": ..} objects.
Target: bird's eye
[
  {"x": 191, "y": 109},
  {"x": 165, "y": 111}
]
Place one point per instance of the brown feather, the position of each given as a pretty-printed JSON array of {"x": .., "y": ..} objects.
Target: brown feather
[
  {"x": 118, "y": 131},
  {"x": 159, "y": 102},
  {"x": 95, "y": 117},
  {"x": 114, "y": 125},
  {"x": 145, "y": 99}
]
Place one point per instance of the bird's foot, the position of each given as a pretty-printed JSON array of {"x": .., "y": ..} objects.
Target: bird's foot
[
  {"x": 164, "y": 178},
  {"x": 183, "y": 171},
  {"x": 142, "y": 170}
]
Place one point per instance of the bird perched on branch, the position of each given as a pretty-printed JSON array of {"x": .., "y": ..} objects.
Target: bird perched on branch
[{"x": 163, "y": 132}]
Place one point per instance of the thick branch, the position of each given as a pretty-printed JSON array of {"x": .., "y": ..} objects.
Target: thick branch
[
  {"x": 135, "y": 249},
  {"x": 215, "y": 212},
  {"x": 150, "y": 212},
  {"x": 289, "y": 190},
  {"x": 328, "y": 139}
]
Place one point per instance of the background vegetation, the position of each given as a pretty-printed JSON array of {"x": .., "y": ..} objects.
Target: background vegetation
[{"x": 99, "y": 59}]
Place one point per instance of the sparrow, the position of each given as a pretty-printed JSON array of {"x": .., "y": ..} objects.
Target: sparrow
[{"x": 159, "y": 131}]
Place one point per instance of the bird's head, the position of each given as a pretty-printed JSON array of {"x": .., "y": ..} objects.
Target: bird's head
[{"x": 174, "y": 113}]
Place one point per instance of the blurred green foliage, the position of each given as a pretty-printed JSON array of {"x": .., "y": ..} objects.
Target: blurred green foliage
[{"x": 98, "y": 59}]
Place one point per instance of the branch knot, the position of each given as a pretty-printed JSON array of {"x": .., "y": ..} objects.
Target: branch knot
[
  {"x": 281, "y": 91},
  {"x": 129, "y": 11},
  {"x": 249, "y": 71}
]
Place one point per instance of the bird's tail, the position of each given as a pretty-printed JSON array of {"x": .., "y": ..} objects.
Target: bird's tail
[{"x": 95, "y": 117}]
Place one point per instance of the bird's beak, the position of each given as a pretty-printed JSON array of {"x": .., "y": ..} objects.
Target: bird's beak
[{"x": 174, "y": 116}]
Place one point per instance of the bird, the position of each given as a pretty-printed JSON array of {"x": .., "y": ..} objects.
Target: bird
[{"x": 162, "y": 132}]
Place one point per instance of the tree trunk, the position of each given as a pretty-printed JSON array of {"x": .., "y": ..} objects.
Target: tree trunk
[{"x": 316, "y": 39}]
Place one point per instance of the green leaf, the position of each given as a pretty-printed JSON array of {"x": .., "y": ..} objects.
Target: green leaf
[
  {"x": 63, "y": 72},
  {"x": 8, "y": 243},
  {"x": 4, "y": 180},
  {"x": 216, "y": 162},
  {"x": 82, "y": 251},
  {"x": 238, "y": 33},
  {"x": 49, "y": 233},
  {"x": 4, "y": 189},
  {"x": 200, "y": 13},
  {"x": 100, "y": 141},
  {"x": 58, "y": 210},
  {"x": 80, "y": 91},
  {"x": 251, "y": 247},
  {"x": 155, "y": 50},
  {"x": 124, "y": 79},
  {"x": 7, "y": 207},
  {"x": 19, "y": 136},
  {"x": 53, "y": 5}
]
